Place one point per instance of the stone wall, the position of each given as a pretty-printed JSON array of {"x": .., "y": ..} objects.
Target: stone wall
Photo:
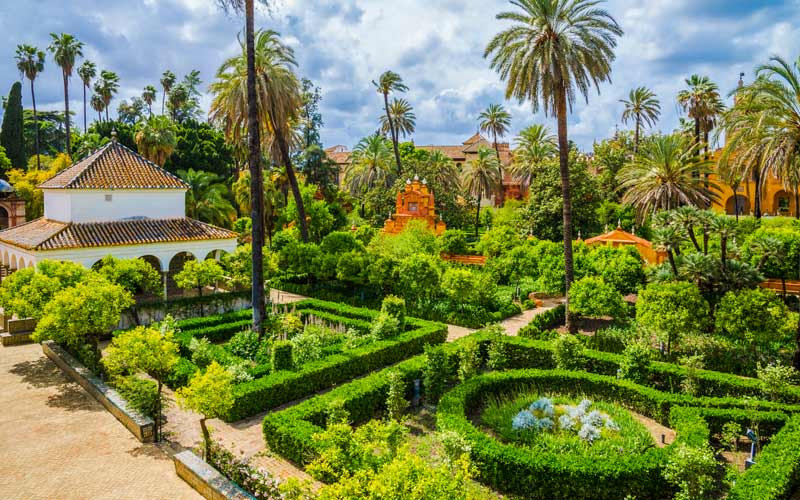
[
  {"x": 205, "y": 479},
  {"x": 153, "y": 312}
]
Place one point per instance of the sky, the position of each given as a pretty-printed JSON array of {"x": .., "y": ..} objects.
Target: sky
[{"x": 435, "y": 45}]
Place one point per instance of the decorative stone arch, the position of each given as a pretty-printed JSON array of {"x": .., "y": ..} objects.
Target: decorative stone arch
[
  {"x": 743, "y": 204},
  {"x": 14, "y": 208},
  {"x": 153, "y": 261},
  {"x": 783, "y": 203},
  {"x": 175, "y": 265}
]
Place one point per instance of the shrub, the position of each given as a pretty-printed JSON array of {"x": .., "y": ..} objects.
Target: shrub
[
  {"x": 252, "y": 479},
  {"x": 671, "y": 311},
  {"x": 140, "y": 393},
  {"x": 729, "y": 437},
  {"x": 691, "y": 470},
  {"x": 395, "y": 307},
  {"x": 384, "y": 326},
  {"x": 282, "y": 356},
  {"x": 436, "y": 373},
  {"x": 309, "y": 345},
  {"x": 541, "y": 322},
  {"x": 635, "y": 362},
  {"x": 776, "y": 379},
  {"x": 459, "y": 285},
  {"x": 244, "y": 344},
  {"x": 693, "y": 364},
  {"x": 591, "y": 296},
  {"x": 497, "y": 355},
  {"x": 396, "y": 402},
  {"x": 469, "y": 361},
  {"x": 753, "y": 317},
  {"x": 568, "y": 353},
  {"x": 453, "y": 241},
  {"x": 291, "y": 325},
  {"x": 202, "y": 354}
]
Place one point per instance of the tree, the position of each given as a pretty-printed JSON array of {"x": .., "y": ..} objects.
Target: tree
[
  {"x": 132, "y": 113},
  {"x": 167, "y": 81},
  {"x": 197, "y": 274},
  {"x": 26, "y": 182},
  {"x": 30, "y": 62},
  {"x": 592, "y": 296},
  {"x": 535, "y": 146},
  {"x": 106, "y": 87},
  {"x": 671, "y": 311},
  {"x": 136, "y": 276},
  {"x": 642, "y": 107},
  {"x": 555, "y": 50},
  {"x": 65, "y": 49},
  {"x": 202, "y": 147},
  {"x": 210, "y": 394},
  {"x": 370, "y": 164},
  {"x": 156, "y": 139},
  {"x": 388, "y": 82},
  {"x": 86, "y": 71},
  {"x": 26, "y": 292},
  {"x": 418, "y": 277},
  {"x": 701, "y": 102},
  {"x": 148, "y": 96},
  {"x": 206, "y": 197},
  {"x": 753, "y": 317},
  {"x": 147, "y": 350},
  {"x": 11, "y": 136},
  {"x": 665, "y": 175},
  {"x": 459, "y": 286},
  {"x": 495, "y": 120},
  {"x": 482, "y": 177},
  {"x": 98, "y": 105},
  {"x": 402, "y": 117}
]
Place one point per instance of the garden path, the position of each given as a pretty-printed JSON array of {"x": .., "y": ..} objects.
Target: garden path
[{"x": 56, "y": 441}]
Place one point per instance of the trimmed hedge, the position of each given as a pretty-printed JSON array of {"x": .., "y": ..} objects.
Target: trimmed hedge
[{"x": 547, "y": 320}]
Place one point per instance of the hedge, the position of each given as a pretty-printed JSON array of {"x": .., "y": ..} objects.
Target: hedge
[{"x": 547, "y": 320}]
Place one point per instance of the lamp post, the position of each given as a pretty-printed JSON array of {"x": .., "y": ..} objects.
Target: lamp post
[{"x": 753, "y": 441}]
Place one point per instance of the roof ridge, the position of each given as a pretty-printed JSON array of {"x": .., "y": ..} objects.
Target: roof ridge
[
  {"x": 150, "y": 163},
  {"x": 91, "y": 161}
]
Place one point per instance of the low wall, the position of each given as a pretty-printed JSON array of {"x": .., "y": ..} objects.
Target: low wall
[
  {"x": 139, "y": 425},
  {"x": 474, "y": 260},
  {"x": 21, "y": 325},
  {"x": 205, "y": 479},
  {"x": 184, "y": 308}
]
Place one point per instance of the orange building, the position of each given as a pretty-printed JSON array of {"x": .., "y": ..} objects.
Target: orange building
[
  {"x": 618, "y": 238},
  {"x": 415, "y": 202},
  {"x": 776, "y": 198}
]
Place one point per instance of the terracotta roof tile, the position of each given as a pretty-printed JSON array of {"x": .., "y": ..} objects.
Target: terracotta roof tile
[
  {"x": 114, "y": 167},
  {"x": 43, "y": 234}
]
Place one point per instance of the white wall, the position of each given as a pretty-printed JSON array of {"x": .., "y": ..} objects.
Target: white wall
[{"x": 90, "y": 205}]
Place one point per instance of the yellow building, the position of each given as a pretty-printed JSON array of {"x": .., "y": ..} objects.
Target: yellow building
[{"x": 776, "y": 198}]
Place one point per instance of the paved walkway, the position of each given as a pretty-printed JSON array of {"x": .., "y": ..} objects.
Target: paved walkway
[{"x": 56, "y": 442}]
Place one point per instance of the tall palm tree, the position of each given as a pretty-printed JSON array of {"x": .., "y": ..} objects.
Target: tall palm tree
[
  {"x": 388, "y": 82},
  {"x": 535, "y": 146},
  {"x": 206, "y": 198},
  {"x": 663, "y": 176},
  {"x": 86, "y": 71},
  {"x": 698, "y": 100},
  {"x": 65, "y": 49},
  {"x": 278, "y": 99},
  {"x": 148, "y": 96},
  {"x": 156, "y": 139},
  {"x": 98, "y": 105},
  {"x": 446, "y": 173},
  {"x": 402, "y": 116},
  {"x": 642, "y": 107},
  {"x": 30, "y": 62},
  {"x": 167, "y": 82},
  {"x": 482, "y": 177},
  {"x": 555, "y": 50},
  {"x": 106, "y": 87},
  {"x": 495, "y": 120},
  {"x": 370, "y": 164}
]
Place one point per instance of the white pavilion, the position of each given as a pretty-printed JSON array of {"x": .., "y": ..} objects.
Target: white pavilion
[{"x": 114, "y": 202}]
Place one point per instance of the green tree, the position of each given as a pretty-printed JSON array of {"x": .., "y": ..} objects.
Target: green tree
[
  {"x": 459, "y": 286},
  {"x": 86, "y": 71},
  {"x": 555, "y": 50},
  {"x": 148, "y": 96},
  {"x": 591, "y": 296},
  {"x": 65, "y": 49},
  {"x": 535, "y": 147},
  {"x": 388, "y": 82},
  {"x": 753, "y": 317},
  {"x": 402, "y": 117},
  {"x": 643, "y": 108},
  {"x": 418, "y": 277},
  {"x": 30, "y": 62},
  {"x": 671, "y": 311},
  {"x": 495, "y": 120},
  {"x": 370, "y": 165},
  {"x": 210, "y": 394},
  {"x": 201, "y": 147},
  {"x": 136, "y": 276},
  {"x": 702, "y": 103},
  {"x": 197, "y": 274},
  {"x": 11, "y": 136},
  {"x": 106, "y": 87},
  {"x": 27, "y": 291},
  {"x": 482, "y": 177},
  {"x": 156, "y": 139},
  {"x": 147, "y": 350},
  {"x": 167, "y": 82},
  {"x": 206, "y": 198},
  {"x": 691, "y": 470}
]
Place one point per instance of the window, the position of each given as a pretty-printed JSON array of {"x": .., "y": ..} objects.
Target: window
[
  {"x": 108, "y": 197},
  {"x": 413, "y": 207}
]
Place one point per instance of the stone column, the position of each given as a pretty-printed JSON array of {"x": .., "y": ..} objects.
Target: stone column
[{"x": 165, "y": 275}]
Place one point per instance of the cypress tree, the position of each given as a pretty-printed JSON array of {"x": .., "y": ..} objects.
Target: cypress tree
[{"x": 11, "y": 130}]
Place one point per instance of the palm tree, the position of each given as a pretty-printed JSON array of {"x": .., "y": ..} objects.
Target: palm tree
[
  {"x": 167, "y": 81},
  {"x": 98, "y": 105},
  {"x": 156, "y": 139},
  {"x": 106, "y": 87},
  {"x": 555, "y": 50},
  {"x": 278, "y": 100},
  {"x": 86, "y": 72},
  {"x": 148, "y": 96},
  {"x": 663, "y": 176},
  {"x": 726, "y": 228},
  {"x": 495, "y": 120},
  {"x": 206, "y": 198},
  {"x": 446, "y": 173},
  {"x": 535, "y": 146},
  {"x": 30, "y": 62},
  {"x": 65, "y": 49},
  {"x": 388, "y": 82},
  {"x": 370, "y": 164},
  {"x": 481, "y": 177},
  {"x": 667, "y": 238},
  {"x": 402, "y": 116},
  {"x": 699, "y": 101},
  {"x": 641, "y": 106}
]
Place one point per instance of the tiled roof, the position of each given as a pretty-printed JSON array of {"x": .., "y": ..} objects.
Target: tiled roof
[
  {"x": 114, "y": 167},
  {"x": 43, "y": 234}
]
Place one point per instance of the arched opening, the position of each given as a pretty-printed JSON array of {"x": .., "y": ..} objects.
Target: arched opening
[
  {"x": 5, "y": 258},
  {"x": 4, "y": 219},
  {"x": 13, "y": 263},
  {"x": 738, "y": 203},
  {"x": 783, "y": 204},
  {"x": 175, "y": 266},
  {"x": 215, "y": 254},
  {"x": 21, "y": 263}
]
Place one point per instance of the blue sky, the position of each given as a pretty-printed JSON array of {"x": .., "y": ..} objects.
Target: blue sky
[{"x": 435, "y": 45}]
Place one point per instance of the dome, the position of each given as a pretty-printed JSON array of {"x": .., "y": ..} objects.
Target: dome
[{"x": 5, "y": 187}]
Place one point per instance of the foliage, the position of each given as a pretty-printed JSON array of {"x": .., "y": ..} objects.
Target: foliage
[
  {"x": 418, "y": 277},
  {"x": 635, "y": 363},
  {"x": 568, "y": 353},
  {"x": 416, "y": 238},
  {"x": 25, "y": 183},
  {"x": 776, "y": 379},
  {"x": 384, "y": 326},
  {"x": 459, "y": 285},
  {"x": 671, "y": 311},
  {"x": 395, "y": 307},
  {"x": 693, "y": 364},
  {"x": 469, "y": 361},
  {"x": 11, "y": 136},
  {"x": 691, "y": 470},
  {"x": 199, "y": 274},
  {"x": 135, "y": 275},
  {"x": 543, "y": 321},
  {"x": 453, "y": 241},
  {"x": 729, "y": 437},
  {"x": 27, "y": 292},
  {"x": 591, "y": 296},
  {"x": 142, "y": 349},
  {"x": 396, "y": 403},
  {"x": 200, "y": 146},
  {"x": 244, "y": 344},
  {"x": 282, "y": 356},
  {"x": 436, "y": 373},
  {"x": 209, "y": 393},
  {"x": 202, "y": 351},
  {"x": 139, "y": 393},
  {"x": 755, "y": 317},
  {"x": 207, "y": 198},
  {"x": 252, "y": 479}
]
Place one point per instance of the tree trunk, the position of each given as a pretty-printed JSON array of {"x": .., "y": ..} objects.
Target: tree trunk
[
  {"x": 206, "y": 439},
  {"x": 735, "y": 202},
  {"x": 157, "y": 429},
  {"x": 497, "y": 151},
  {"x": 107, "y": 112},
  {"x": 636, "y": 135},
  {"x": 723, "y": 251},
  {"x": 36, "y": 125},
  {"x": 563, "y": 156},
  {"x": 697, "y": 135},
  {"x": 66, "y": 111},
  {"x": 84, "y": 109},
  {"x": 757, "y": 181},
  {"x": 478, "y": 215},
  {"x": 690, "y": 231},
  {"x": 392, "y": 133},
  {"x": 796, "y": 201},
  {"x": 672, "y": 262},
  {"x": 256, "y": 176}
]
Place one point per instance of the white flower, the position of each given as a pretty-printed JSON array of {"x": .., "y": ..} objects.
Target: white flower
[
  {"x": 594, "y": 418},
  {"x": 588, "y": 433},
  {"x": 523, "y": 420}
]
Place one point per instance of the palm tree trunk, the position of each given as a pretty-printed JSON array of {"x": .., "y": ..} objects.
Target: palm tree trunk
[
  {"x": 84, "y": 109},
  {"x": 256, "y": 176},
  {"x": 563, "y": 157},
  {"x": 163, "y": 98},
  {"x": 697, "y": 134},
  {"x": 497, "y": 151},
  {"x": 392, "y": 132},
  {"x": 757, "y": 181},
  {"x": 106, "y": 112},
  {"x": 478, "y": 215},
  {"x": 298, "y": 198},
  {"x": 66, "y": 111},
  {"x": 36, "y": 125},
  {"x": 672, "y": 262},
  {"x": 796, "y": 201},
  {"x": 636, "y": 135}
]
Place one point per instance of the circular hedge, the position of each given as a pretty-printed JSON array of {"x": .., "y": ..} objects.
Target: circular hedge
[{"x": 517, "y": 470}]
